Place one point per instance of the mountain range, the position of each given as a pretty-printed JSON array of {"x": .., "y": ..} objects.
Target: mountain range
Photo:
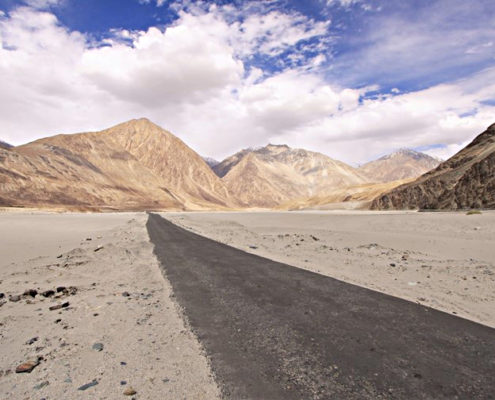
[
  {"x": 138, "y": 165},
  {"x": 466, "y": 180}
]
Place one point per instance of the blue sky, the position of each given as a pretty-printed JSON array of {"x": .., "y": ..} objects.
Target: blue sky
[{"x": 354, "y": 79}]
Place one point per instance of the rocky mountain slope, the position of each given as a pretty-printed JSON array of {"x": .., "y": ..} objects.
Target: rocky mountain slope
[
  {"x": 134, "y": 165},
  {"x": 466, "y": 180},
  {"x": 5, "y": 145},
  {"x": 402, "y": 164},
  {"x": 274, "y": 174}
]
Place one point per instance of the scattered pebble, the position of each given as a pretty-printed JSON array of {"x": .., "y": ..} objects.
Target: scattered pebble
[
  {"x": 126, "y": 294},
  {"x": 253, "y": 247},
  {"x": 94, "y": 382},
  {"x": 32, "y": 340},
  {"x": 15, "y": 298},
  {"x": 392, "y": 264},
  {"x": 30, "y": 292},
  {"x": 129, "y": 392},
  {"x": 41, "y": 385},
  {"x": 98, "y": 346},
  {"x": 48, "y": 293},
  {"x": 98, "y": 249},
  {"x": 59, "y": 306},
  {"x": 27, "y": 366}
]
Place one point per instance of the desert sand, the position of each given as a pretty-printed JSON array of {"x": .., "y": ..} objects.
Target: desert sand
[
  {"x": 443, "y": 260},
  {"x": 121, "y": 328}
]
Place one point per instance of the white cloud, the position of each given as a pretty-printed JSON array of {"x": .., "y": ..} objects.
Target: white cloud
[
  {"x": 42, "y": 4},
  {"x": 194, "y": 79}
]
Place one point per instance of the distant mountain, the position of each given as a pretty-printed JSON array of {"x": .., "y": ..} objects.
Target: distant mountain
[
  {"x": 134, "y": 165},
  {"x": 211, "y": 162},
  {"x": 5, "y": 145},
  {"x": 402, "y": 164},
  {"x": 271, "y": 175},
  {"x": 466, "y": 180}
]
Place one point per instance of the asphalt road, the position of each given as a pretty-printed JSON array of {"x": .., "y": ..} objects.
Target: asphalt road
[{"x": 273, "y": 331}]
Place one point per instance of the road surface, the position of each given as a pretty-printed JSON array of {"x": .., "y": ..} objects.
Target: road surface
[{"x": 273, "y": 331}]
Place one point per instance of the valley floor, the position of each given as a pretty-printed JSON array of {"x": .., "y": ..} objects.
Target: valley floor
[
  {"x": 445, "y": 260},
  {"x": 122, "y": 327}
]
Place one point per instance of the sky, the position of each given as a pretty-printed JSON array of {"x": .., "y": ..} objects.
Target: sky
[{"x": 353, "y": 79}]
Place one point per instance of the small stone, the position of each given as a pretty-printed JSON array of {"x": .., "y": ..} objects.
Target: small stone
[
  {"x": 59, "y": 306},
  {"x": 98, "y": 248},
  {"x": 123, "y": 363},
  {"x": 253, "y": 247},
  {"x": 126, "y": 294},
  {"x": 72, "y": 290},
  {"x": 2, "y": 295},
  {"x": 41, "y": 385},
  {"x": 68, "y": 380},
  {"x": 58, "y": 320},
  {"x": 48, "y": 293},
  {"x": 129, "y": 392},
  {"x": 123, "y": 383},
  {"x": 15, "y": 298},
  {"x": 88, "y": 239},
  {"x": 94, "y": 382},
  {"x": 32, "y": 340},
  {"x": 27, "y": 366},
  {"x": 60, "y": 256},
  {"x": 61, "y": 289},
  {"x": 165, "y": 380},
  {"x": 98, "y": 346},
  {"x": 30, "y": 292},
  {"x": 392, "y": 264}
]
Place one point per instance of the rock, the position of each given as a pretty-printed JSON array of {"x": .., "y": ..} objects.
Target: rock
[
  {"x": 60, "y": 256},
  {"x": 392, "y": 264},
  {"x": 126, "y": 294},
  {"x": 61, "y": 289},
  {"x": 94, "y": 382},
  {"x": 15, "y": 298},
  {"x": 27, "y": 366},
  {"x": 123, "y": 383},
  {"x": 129, "y": 392},
  {"x": 72, "y": 290},
  {"x": 98, "y": 249},
  {"x": 48, "y": 293},
  {"x": 253, "y": 247},
  {"x": 59, "y": 306},
  {"x": 41, "y": 385},
  {"x": 98, "y": 346},
  {"x": 32, "y": 340},
  {"x": 88, "y": 239},
  {"x": 314, "y": 238},
  {"x": 2, "y": 295},
  {"x": 58, "y": 320},
  {"x": 30, "y": 292},
  {"x": 405, "y": 257}
]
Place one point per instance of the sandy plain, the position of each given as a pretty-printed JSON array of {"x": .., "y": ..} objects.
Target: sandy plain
[
  {"x": 445, "y": 260},
  {"x": 122, "y": 328}
]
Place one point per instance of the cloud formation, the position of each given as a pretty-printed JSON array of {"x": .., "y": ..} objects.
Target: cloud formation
[{"x": 199, "y": 78}]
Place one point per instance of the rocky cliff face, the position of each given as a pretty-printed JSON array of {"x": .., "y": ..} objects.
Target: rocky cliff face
[
  {"x": 466, "y": 180},
  {"x": 402, "y": 164}
]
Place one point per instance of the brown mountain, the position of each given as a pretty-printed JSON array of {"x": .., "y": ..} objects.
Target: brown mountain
[
  {"x": 134, "y": 165},
  {"x": 402, "y": 164},
  {"x": 275, "y": 174},
  {"x": 466, "y": 180}
]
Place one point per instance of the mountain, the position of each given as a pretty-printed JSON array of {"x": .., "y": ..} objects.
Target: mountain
[
  {"x": 402, "y": 164},
  {"x": 212, "y": 163},
  {"x": 134, "y": 165},
  {"x": 466, "y": 180},
  {"x": 5, "y": 145},
  {"x": 271, "y": 175}
]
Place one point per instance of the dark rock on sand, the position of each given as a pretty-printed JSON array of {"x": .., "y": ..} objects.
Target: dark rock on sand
[
  {"x": 15, "y": 298},
  {"x": 41, "y": 385},
  {"x": 30, "y": 292},
  {"x": 48, "y": 293},
  {"x": 98, "y": 346},
  {"x": 94, "y": 382},
  {"x": 32, "y": 340},
  {"x": 59, "y": 306}
]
